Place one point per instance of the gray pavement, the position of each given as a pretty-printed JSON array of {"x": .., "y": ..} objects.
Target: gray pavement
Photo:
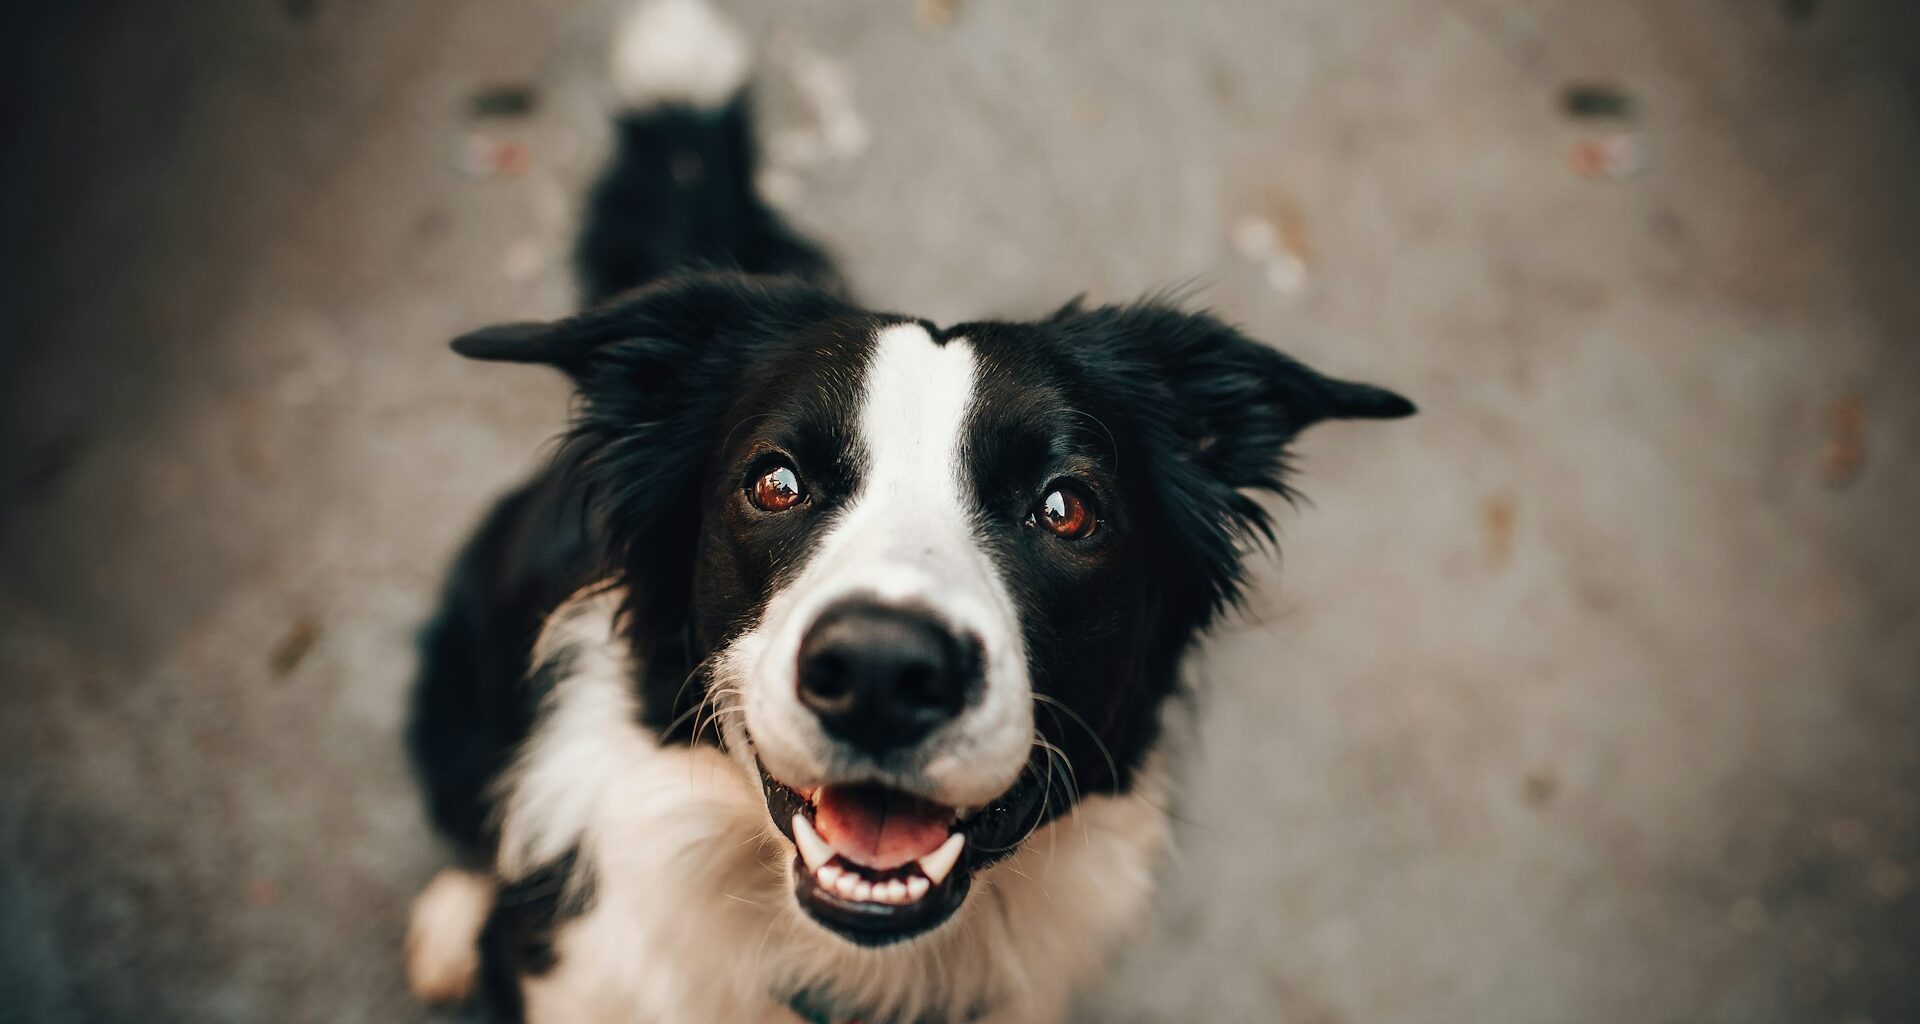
[{"x": 1590, "y": 695}]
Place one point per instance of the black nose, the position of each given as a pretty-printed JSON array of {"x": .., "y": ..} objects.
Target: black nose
[{"x": 881, "y": 678}]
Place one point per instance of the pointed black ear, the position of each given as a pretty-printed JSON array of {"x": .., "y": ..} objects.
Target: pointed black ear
[
  {"x": 507, "y": 343},
  {"x": 1348, "y": 400},
  {"x": 565, "y": 345},
  {"x": 1236, "y": 401},
  {"x": 676, "y": 315},
  {"x": 1213, "y": 413},
  {"x": 1307, "y": 397}
]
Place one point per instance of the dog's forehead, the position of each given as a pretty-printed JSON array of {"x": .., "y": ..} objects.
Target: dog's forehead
[
  {"x": 896, "y": 392},
  {"x": 978, "y": 384},
  {"x": 918, "y": 390}
]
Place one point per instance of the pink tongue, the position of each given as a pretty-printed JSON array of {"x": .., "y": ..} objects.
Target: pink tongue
[{"x": 880, "y": 828}]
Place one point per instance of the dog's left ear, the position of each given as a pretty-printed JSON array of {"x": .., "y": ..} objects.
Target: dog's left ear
[
  {"x": 1215, "y": 412},
  {"x": 1234, "y": 401}
]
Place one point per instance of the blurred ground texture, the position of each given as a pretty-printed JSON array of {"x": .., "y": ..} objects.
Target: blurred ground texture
[{"x": 1592, "y": 694}]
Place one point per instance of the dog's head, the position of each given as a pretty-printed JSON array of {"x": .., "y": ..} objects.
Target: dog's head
[{"x": 932, "y": 585}]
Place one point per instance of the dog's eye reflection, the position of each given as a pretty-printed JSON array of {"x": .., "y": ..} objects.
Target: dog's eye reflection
[
  {"x": 776, "y": 489},
  {"x": 1065, "y": 513}
]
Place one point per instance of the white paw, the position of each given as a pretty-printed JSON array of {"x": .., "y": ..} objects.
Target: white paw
[{"x": 443, "y": 936}]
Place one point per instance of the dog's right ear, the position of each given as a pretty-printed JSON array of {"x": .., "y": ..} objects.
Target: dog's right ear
[
  {"x": 662, "y": 323},
  {"x": 553, "y": 343}
]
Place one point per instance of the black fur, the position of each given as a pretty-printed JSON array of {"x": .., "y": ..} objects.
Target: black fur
[
  {"x": 517, "y": 940},
  {"x": 473, "y": 703}
]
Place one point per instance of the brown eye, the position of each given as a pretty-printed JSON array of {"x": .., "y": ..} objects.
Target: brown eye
[
  {"x": 1065, "y": 513},
  {"x": 776, "y": 489}
]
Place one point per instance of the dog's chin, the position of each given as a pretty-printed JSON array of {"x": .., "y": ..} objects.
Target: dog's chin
[{"x": 877, "y": 866}]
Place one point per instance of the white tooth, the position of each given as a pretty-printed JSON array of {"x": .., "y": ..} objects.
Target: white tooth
[
  {"x": 813, "y": 849},
  {"x": 917, "y": 887},
  {"x": 939, "y": 863},
  {"x": 846, "y": 885},
  {"x": 827, "y": 874},
  {"x": 896, "y": 891},
  {"x": 863, "y": 892}
]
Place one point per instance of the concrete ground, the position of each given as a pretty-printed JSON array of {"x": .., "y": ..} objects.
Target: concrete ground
[{"x": 1592, "y": 694}]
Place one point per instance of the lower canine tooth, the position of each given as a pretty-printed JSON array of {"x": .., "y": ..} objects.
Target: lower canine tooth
[
  {"x": 917, "y": 887},
  {"x": 828, "y": 874},
  {"x": 940, "y": 862},
  {"x": 813, "y": 849}
]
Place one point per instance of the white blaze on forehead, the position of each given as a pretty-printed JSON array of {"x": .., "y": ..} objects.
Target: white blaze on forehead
[
  {"x": 909, "y": 536},
  {"x": 909, "y": 532},
  {"x": 913, "y": 419}
]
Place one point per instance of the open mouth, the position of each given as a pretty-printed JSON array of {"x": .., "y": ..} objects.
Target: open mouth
[{"x": 877, "y": 865}]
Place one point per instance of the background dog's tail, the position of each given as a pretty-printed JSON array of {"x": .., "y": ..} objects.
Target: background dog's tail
[{"x": 679, "y": 191}]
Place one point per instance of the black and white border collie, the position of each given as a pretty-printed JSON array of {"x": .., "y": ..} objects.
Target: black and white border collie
[{"x": 826, "y": 672}]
